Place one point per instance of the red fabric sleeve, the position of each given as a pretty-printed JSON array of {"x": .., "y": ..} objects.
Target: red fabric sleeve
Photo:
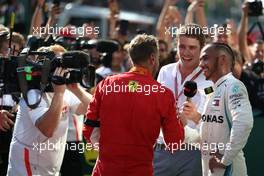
[
  {"x": 172, "y": 127},
  {"x": 93, "y": 110}
]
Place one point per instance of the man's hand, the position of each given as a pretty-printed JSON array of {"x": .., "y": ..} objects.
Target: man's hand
[
  {"x": 59, "y": 73},
  {"x": 215, "y": 161},
  {"x": 189, "y": 111},
  {"x": 41, "y": 3},
  {"x": 114, "y": 8},
  {"x": 55, "y": 11},
  {"x": 245, "y": 8},
  {"x": 183, "y": 119},
  {"x": 5, "y": 120},
  {"x": 172, "y": 16},
  {"x": 196, "y": 4}
]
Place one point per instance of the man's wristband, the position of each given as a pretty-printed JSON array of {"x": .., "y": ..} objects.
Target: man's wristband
[{"x": 92, "y": 123}]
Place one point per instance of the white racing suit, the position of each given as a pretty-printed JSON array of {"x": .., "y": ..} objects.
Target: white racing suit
[{"x": 226, "y": 125}]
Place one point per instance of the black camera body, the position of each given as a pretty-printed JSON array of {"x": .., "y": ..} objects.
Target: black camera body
[
  {"x": 19, "y": 74},
  {"x": 255, "y": 8},
  {"x": 8, "y": 75},
  {"x": 258, "y": 66}
]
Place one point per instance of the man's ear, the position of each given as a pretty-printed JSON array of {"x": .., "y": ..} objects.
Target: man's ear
[
  {"x": 152, "y": 59},
  {"x": 223, "y": 59}
]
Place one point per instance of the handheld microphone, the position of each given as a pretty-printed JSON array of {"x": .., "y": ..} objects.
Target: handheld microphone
[{"x": 190, "y": 89}]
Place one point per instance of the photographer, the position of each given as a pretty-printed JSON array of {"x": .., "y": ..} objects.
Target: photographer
[
  {"x": 6, "y": 105},
  {"x": 39, "y": 138},
  {"x": 112, "y": 59},
  {"x": 242, "y": 34},
  {"x": 252, "y": 74}
]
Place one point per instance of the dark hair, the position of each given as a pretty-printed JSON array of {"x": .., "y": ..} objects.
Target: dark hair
[
  {"x": 225, "y": 48},
  {"x": 141, "y": 47},
  {"x": 164, "y": 43}
]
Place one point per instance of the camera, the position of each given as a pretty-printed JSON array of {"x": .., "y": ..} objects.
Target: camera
[
  {"x": 256, "y": 66},
  {"x": 56, "y": 2},
  {"x": 35, "y": 42},
  {"x": 19, "y": 74},
  {"x": 255, "y": 8}
]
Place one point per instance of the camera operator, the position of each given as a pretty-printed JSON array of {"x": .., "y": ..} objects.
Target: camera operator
[
  {"x": 112, "y": 59},
  {"x": 18, "y": 43},
  {"x": 39, "y": 138},
  {"x": 7, "y": 107}
]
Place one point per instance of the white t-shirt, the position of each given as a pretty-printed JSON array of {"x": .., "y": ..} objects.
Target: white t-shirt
[
  {"x": 167, "y": 77},
  {"x": 31, "y": 151},
  {"x": 7, "y": 100},
  {"x": 105, "y": 71},
  {"x": 75, "y": 125}
]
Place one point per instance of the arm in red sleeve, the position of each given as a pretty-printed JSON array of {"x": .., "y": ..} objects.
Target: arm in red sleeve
[
  {"x": 93, "y": 111},
  {"x": 172, "y": 127}
]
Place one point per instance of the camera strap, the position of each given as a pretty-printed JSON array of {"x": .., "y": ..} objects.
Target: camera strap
[{"x": 24, "y": 84}]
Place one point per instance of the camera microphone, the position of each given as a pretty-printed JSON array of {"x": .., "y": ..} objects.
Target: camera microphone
[{"x": 190, "y": 89}]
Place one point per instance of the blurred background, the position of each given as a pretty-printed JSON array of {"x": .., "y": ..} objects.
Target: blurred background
[{"x": 79, "y": 11}]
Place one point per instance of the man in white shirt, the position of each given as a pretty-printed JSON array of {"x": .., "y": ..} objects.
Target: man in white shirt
[
  {"x": 186, "y": 162},
  {"x": 39, "y": 138}
]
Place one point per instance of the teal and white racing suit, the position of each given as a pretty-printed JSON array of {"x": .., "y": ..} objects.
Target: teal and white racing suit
[{"x": 226, "y": 124}]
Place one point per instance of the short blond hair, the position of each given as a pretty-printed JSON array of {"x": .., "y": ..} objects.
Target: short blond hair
[
  {"x": 141, "y": 47},
  {"x": 57, "y": 49},
  {"x": 18, "y": 38}
]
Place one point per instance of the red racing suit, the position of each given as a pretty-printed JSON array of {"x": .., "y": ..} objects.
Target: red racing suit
[{"x": 131, "y": 108}]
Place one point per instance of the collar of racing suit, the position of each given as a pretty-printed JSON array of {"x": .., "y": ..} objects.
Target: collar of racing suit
[
  {"x": 140, "y": 70},
  {"x": 222, "y": 79}
]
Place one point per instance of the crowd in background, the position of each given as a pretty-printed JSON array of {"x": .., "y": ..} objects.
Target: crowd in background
[{"x": 110, "y": 55}]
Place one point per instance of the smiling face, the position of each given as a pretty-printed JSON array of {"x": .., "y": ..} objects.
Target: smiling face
[
  {"x": 189, "y": 51},
  {"x": 209, "y": 63}
]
